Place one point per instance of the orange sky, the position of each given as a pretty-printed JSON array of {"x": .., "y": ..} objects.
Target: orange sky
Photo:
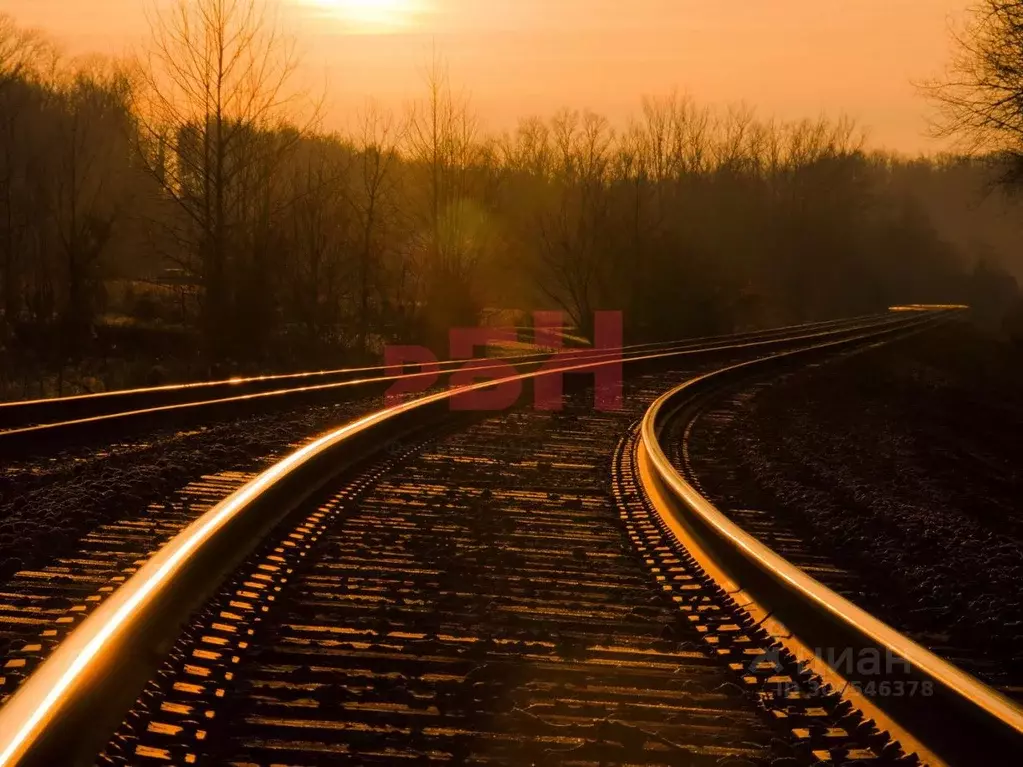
[{"x": 789, "y": 58}]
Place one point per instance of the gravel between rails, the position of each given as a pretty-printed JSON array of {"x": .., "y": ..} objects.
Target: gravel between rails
[
  {"x": 902, "y": 464},
  {"x": 498, "y": 594},
  {"x": 74, "y": 526},
  {"x": 48, "y": 505}
]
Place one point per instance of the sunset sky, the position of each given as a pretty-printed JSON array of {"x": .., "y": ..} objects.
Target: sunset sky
[{"x": 788, "y": 58}]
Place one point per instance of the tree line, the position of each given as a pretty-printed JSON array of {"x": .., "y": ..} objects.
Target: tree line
[{"x": 182, "y": 214}]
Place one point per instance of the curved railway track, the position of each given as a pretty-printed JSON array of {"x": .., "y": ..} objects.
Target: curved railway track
[
  {"x": 471, "y": 601},
  {"x": 941, "y": 713},
  {"x": 46, "y": 599},
  {"x": 39, "y": 412},
  {"x": 727, "y": 482},
  {"x": 36, "y": 426},
  {"x": 418, "y": 588}
]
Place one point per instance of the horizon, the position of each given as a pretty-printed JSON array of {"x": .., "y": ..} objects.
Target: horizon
[{"x": 514, "y": 62}]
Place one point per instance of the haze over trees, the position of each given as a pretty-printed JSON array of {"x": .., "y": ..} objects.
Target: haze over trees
[
  {"x": 980, "y": 102},
  {"x": 182, "y": 215}
]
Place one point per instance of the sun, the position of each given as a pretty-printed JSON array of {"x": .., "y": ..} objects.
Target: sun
[{"x": 371, "y": 15}]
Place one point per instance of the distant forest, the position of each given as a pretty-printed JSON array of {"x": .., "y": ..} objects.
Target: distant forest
[{"x": 183, "y": 216}]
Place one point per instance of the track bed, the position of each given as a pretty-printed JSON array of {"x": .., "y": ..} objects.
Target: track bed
[{"x": 895, "y": 473}]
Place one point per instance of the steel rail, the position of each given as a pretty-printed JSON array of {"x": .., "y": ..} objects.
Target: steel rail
[
  {"x": 965, "y": 722},
  {"x": 40, "y": 412},
  {"x": 29, "y": 439},
  {"x": 64, "y": 712},
  {"x": 18, "y": 441}
]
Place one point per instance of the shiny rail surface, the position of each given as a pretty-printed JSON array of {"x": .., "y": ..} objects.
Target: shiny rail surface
[
  {"x": 43, "y": 410},
  {"x": 85, "y": 682},
  {"x": 963, "y": 722},
  {"x": 57, "y": 415},
  {"x": 109, "y": 427}
]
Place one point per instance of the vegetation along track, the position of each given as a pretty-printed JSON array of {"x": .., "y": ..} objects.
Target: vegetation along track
[{"x": 486, "y": 594}]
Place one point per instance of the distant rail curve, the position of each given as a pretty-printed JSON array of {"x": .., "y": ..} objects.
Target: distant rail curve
[{"x": 39, "y": 426}]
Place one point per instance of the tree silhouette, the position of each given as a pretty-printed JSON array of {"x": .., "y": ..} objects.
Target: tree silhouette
[
  {"x": 980, "y": 98},
  {"x": 212, "y": 104},
  {"x": 187, "y": 201}
]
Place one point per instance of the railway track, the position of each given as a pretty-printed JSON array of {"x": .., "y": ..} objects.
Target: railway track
[
  {"x": 41, "y": 412},
  {"x": 939, "y": 713},
  {"x": 42, "y": 426},
  {"x": 728, "y": 482},
  {"x": 71, "y": 526},
  {"x": 471, "y": 601},
  {"x": 44, "y": 600},
  {"x": 504, "y": 590}
]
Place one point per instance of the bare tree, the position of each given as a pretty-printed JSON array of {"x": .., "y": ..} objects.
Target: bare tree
[
  {"x": 22, "y": 51},
  {"x": 572, "y": 232},
  {"x": 529, "y": 150},
  {"x": 374, "y": 199},
  {"x": 674, "y": 133},
  {"x": 980, "y": 98},
  {"x": 445, "y": 143},
  {"x": 216, "y": 75},
  {"x": 321, "y": 238},
  {"x": 89, "y": 169},
  {"x": 25, "y": 58}
]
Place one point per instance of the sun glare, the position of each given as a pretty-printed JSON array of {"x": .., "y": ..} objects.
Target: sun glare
[{"x": 371, "y": 15}]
